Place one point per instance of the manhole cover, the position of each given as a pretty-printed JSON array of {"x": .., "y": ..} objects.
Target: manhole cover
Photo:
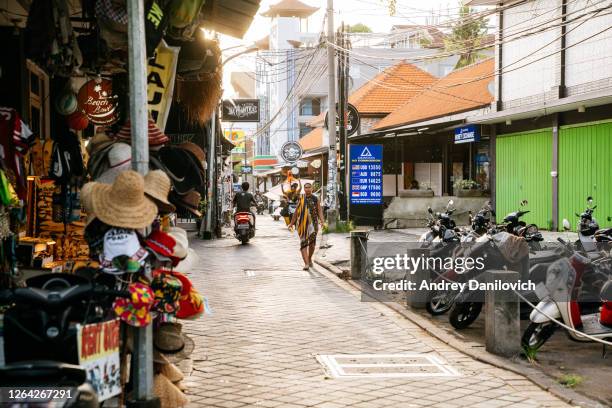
[
  {"x": 385, "y": 365},
  {"x": 275, "y": 272}
]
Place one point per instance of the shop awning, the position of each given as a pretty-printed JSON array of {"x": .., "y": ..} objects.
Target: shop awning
[
  {"x": 231, "y": 17},
  {"x": 268, "y": 172}
]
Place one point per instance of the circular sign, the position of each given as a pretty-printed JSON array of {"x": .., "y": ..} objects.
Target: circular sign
[
  {"x": 316, "y": 163},
  {"x": 295, "y": 171},
  {"x": 291, "y": 151},
  {"x": 97, "y": 101},
  {"x": 352, "y": 120}
]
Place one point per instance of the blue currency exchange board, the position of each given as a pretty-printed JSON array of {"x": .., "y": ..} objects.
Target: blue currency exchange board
[{"x": 366, "y": 174}]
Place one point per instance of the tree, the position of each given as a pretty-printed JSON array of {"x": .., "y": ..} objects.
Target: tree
[
  {"x": 467, "y": 35},
  {"x": 359, "y": 28}
]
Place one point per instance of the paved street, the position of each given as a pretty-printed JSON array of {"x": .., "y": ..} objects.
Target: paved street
[{"x": 271, "y": 320}]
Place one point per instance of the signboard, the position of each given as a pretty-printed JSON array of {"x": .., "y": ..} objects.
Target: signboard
[
  {"x": 467, "y": 134},
  {"x": 366, "y": 177},
  {"x": 161, "y": 72},
  {"x": 352, "y": 120},
  {"x": 291, "y": 151},
  {"x": 240, "y": 110},
  {"x": 99, "y": 355},
  {"x": 97, "y": 101},
  {"x": 247, "y": 169},
  {"x": 238, "y": 138}
]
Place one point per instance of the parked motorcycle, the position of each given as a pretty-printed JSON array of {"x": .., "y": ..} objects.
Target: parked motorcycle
[
  {"x": 442, "y": 228},
  {"x": 244, "y": 229},
  {"x": 590, "y": 237},
  {"x": 515, "y": 226},
  {"x": 40, "y": 334},
  {"x": 569, "y": 289}
]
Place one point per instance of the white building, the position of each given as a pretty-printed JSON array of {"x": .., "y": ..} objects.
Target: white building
[{"x": 292, "y": 76}]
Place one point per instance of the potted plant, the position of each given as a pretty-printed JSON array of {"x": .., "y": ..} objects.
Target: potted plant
[{"x": 467, "y": 188}]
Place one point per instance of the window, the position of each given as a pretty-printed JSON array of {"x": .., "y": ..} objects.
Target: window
[
  {"x": 38, "y": 100},
  {"x": 304, "y": 129},
  {"x": 310, "y": 107}
]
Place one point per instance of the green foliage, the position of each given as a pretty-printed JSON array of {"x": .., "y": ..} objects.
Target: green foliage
[
  {"x": 571, "y": 380},
  {"x": 530, "y": 354},
  {"x": 468, "y": 33},
  {"x": 358, "y": 28},
  {"x": 341, "y": 227},
  {"x": 391, "y": 6},
  {"x": 462, "y": 184}
]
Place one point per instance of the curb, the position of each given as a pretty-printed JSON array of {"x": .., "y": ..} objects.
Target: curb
[{"x": 536, "y": 377}]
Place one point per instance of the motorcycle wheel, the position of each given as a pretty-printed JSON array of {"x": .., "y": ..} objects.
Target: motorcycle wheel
[
  {"x": 537, "y": 334},
  {"x": 244, "y": 240},
  {"x": 463, "y": 314},
  {"x": 439, "y": 302}
]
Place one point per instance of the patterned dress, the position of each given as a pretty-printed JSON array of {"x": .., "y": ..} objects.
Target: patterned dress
[{"x": 307, "y": 220}]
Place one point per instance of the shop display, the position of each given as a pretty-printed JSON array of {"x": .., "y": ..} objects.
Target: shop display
[{"x": 75, "y": 219}]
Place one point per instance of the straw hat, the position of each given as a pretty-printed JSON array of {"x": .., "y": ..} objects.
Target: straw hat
[
  {"x": 123, "y": 204},
  {"x": 157, "y": 188},
  {"x": 100, "y": 141},
  {"x": 171, "y": 371},
  {"x": 168, "y": 338},
  {"x": 169, "y": 394}
]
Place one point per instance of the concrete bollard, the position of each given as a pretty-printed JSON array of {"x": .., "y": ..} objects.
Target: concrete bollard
[
  {"x": 359, "y": 254},
  {"x": 502, "y": 316},
  {"x": 417, "y": 299}
]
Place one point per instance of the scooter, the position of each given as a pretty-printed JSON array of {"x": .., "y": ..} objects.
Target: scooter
[
  {"x": 442, "y": 228},
  {"x": 441, "y": 301},
  {"x": 590, "y": 237},
  {"x": 564, "y": 300},
  {"x": 515, "y": 226},
  {"x": 40, "y": 336},
  {"x": 244, "y": 229}
]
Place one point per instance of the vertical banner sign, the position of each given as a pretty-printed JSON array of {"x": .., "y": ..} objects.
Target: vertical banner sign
[
  {"x": 99, "y": 356},
  {"x": 366, "y": 174},
  {"x": 160, "y": 83}
]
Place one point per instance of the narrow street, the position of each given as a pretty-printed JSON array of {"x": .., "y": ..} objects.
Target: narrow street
[{"x": 271, "y": 320}]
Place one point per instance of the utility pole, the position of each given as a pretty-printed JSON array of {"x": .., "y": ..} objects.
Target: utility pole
[
  {"x": 142, "y": 359},
  {"x": 342, "y": 107},
  {"x": 332, "y": 190}
]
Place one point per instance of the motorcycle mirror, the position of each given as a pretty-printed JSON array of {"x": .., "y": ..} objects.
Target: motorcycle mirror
[
  {"x": 429, "y": 210},
  {"x": 566, "y": 224},
  {"x": 590, "y": 200},
  {"x": 609, "y": 218},
  {"x": 450, "y": 202},
  {"x": 524, "y": 203}
]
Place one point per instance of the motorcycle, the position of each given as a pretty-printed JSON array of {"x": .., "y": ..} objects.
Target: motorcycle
[
  {"x": 442, "y": 228},
  {"x": 40, "y": 334},
  {"x": 567, "y": 297},
  {"x": 590, "y": 237},
  {"x": 244, "y": 229},
  {"x": 441, "y": 301},
  {"x": 261, "y": 206},
  {"x": 515, "y": 226}
]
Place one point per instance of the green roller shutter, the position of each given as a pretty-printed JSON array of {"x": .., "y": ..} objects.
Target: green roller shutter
[
  {"x": 523, "y": 165},
  {"x": 585, "y": 155}
]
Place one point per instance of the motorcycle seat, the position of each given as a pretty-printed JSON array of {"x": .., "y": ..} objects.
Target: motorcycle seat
[
  {"x": 546, "y": 256},
  {"x": 41, "y": 371}
]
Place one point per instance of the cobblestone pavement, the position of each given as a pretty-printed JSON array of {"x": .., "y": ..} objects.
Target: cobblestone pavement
[{"x": 271, "y": 320}]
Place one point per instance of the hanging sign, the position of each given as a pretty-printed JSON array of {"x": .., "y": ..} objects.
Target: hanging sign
[
  {"x": 247, "y": 169},
  {"x": 352, "y": 120},
  {"x": 467, "y": 134},
  {"x": 96, "y": 100},
  {"x": 240, "y": 110},
  {"x": 161, "y": 73},
  {"x": 366, "y": 174},
  {"x": 291, "y": 151},
  {"x": 98, "y": 345}
]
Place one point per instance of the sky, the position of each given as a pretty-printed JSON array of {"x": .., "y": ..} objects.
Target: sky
[{"x": 373, "y": 13}]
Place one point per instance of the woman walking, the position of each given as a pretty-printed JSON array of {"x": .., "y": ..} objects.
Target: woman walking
[{"x": 307, "y": 217}]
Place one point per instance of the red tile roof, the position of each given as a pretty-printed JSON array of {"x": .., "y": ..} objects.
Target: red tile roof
[
  {"x": 460, "y": 91},
  {"x": 312, "y": 139},
  {"x": 289, "y": 8}
]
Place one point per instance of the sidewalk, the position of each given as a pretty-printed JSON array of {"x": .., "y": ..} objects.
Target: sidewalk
[
  {"x": 271, "y": 320},
  {"x": 559, "y": 357}
]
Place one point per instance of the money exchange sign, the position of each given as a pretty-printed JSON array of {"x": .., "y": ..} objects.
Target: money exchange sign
[{"x": 366, "y": 175}]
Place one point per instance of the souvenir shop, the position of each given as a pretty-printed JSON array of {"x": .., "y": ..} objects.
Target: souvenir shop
[{"x": 92, "y": 257}]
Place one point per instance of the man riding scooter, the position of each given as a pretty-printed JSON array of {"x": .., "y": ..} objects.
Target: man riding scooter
[{"x": 243, "y": 201}]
